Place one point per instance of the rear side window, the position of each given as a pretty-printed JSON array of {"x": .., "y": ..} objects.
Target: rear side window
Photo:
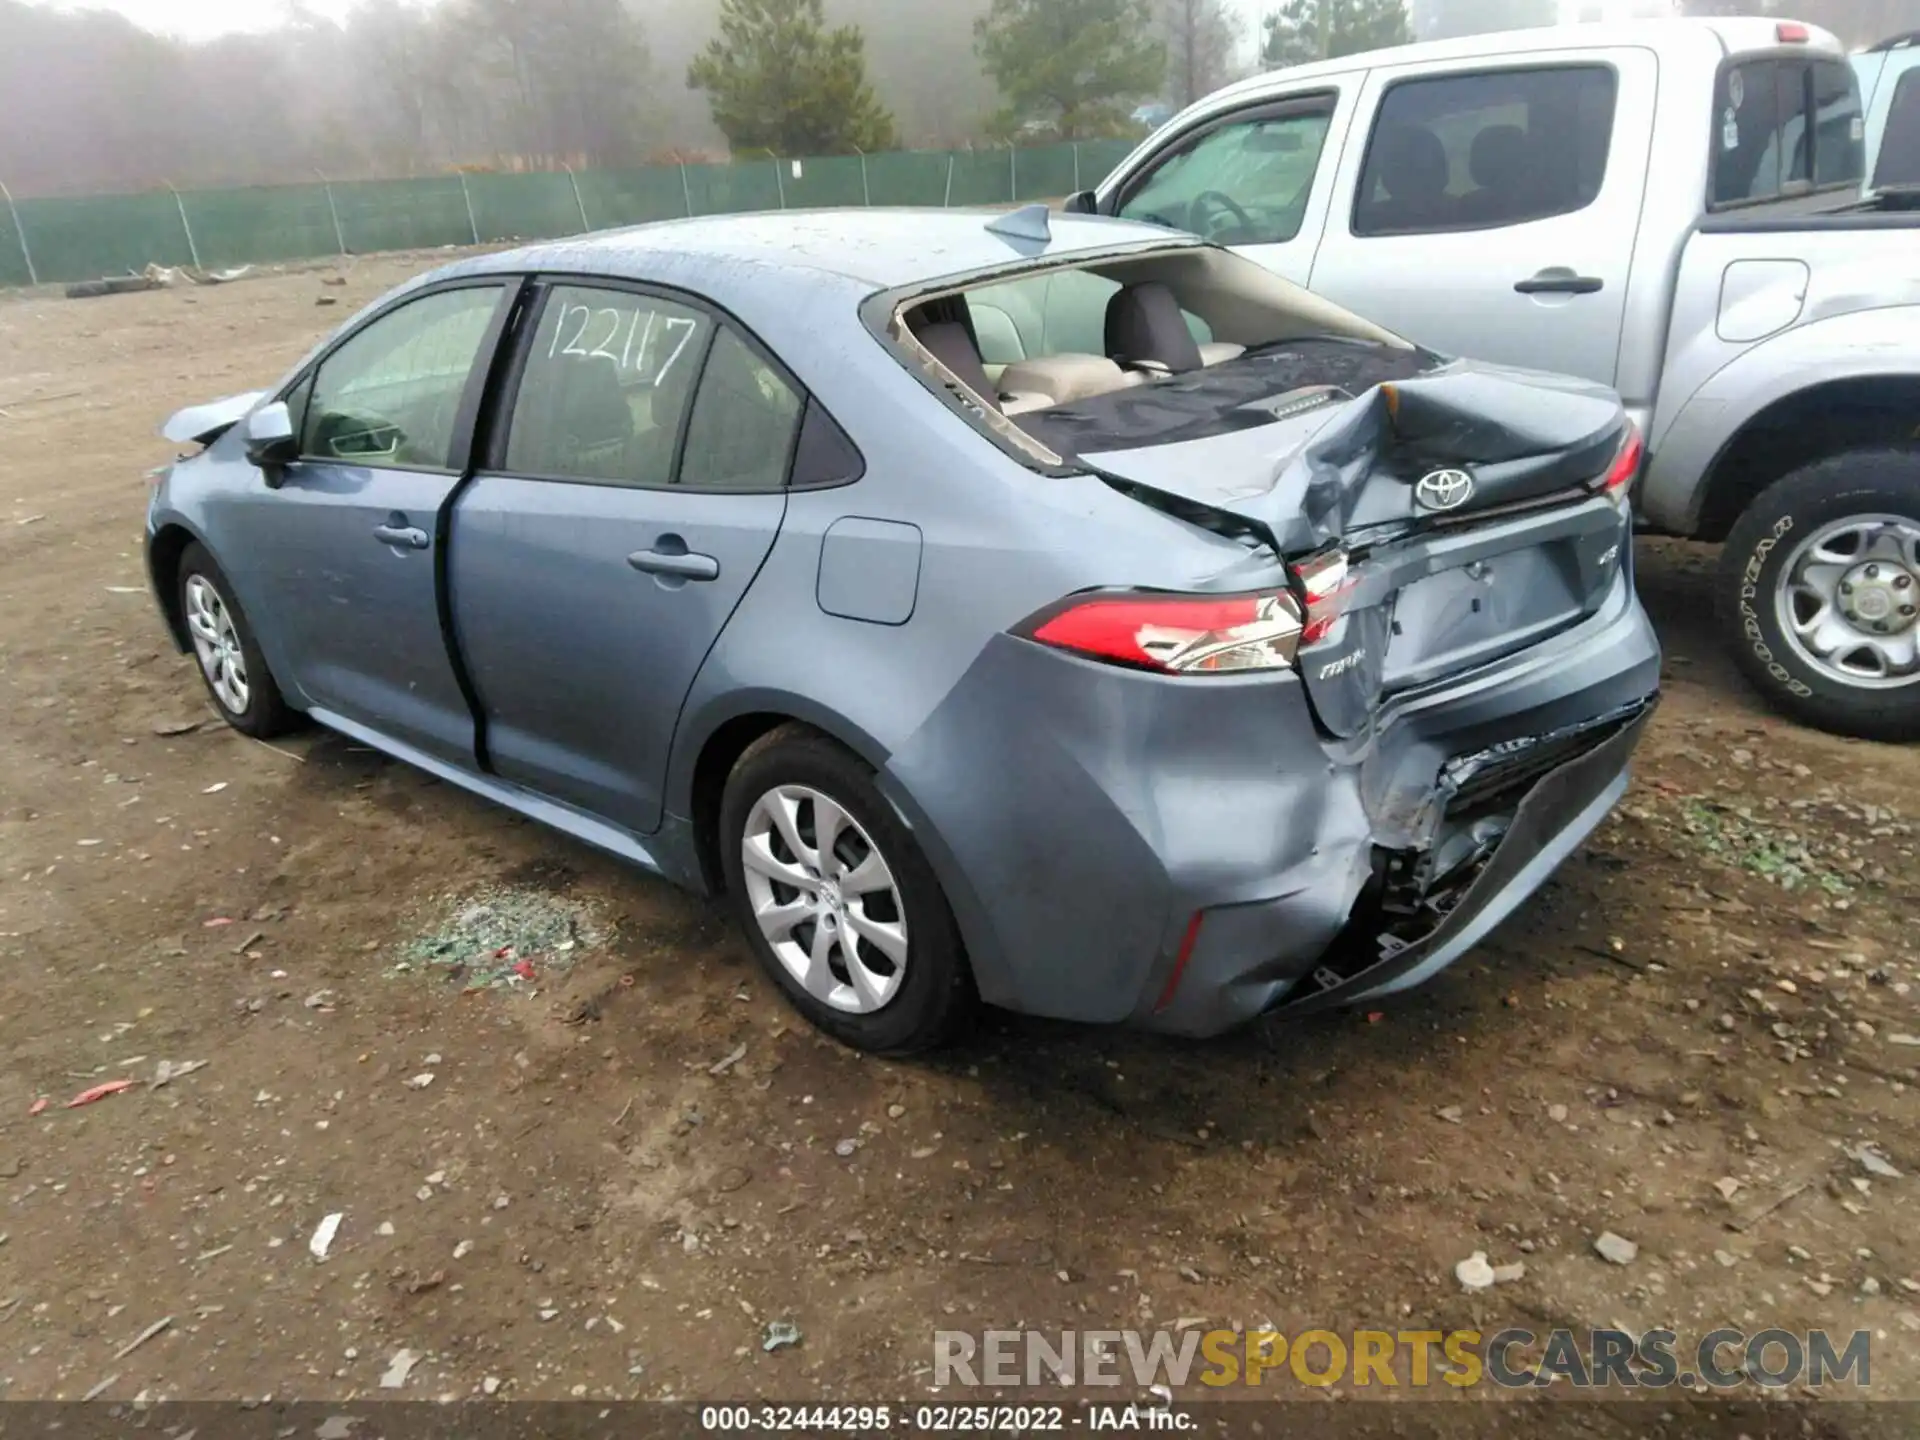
[
  {"x": 607, "y": 381},
  {"x": 1472, "y": 152},
  {"x": 745, "y": 419},
  {"x": 1784, "y": 127},
  {"x": 1899, "y": 159}
]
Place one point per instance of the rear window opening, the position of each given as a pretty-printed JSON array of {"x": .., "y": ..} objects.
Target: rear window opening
[{"x": 1147, "y": 349}]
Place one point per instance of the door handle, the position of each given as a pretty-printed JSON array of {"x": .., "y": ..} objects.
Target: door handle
[
  {"x": 671, "y": 557},
  {"x": 408, "y": 537},
  {"x": 1559, "y": 280}
]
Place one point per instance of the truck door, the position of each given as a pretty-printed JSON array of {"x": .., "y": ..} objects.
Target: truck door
[{"x": 1492, "y": 210}]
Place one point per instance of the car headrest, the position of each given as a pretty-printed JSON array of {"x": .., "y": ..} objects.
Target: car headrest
[
  {"x": 949, "y": 343},
  {"x": 1144, "y": 324},
  {"x": 1412, "y": 165},
  {"x": 1499, "y": 158}
]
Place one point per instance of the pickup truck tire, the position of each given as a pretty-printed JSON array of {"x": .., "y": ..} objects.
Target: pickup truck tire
[{"x": 1820, "y": 593}]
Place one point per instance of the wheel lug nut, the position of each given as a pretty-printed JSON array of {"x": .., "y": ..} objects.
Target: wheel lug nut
[
  {"x": 1901, "y": 582},
  {"x": 1846, "y": 587},
  {"x": 1906, "y": 609},
  {"x": 1873, "y": 572}
]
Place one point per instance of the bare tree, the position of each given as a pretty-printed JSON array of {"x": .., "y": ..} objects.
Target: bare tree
[{"x": 1202, "y": 38}]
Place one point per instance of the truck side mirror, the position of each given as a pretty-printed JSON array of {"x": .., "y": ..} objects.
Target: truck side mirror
[{"x": 1081, "y": 202}]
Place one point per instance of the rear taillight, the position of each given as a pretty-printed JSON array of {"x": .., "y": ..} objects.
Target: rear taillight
[
  {"x": 1325, "y": 580},
  {"x": 1176, "y": 634},
  {"x": 1618, "y": 480}
]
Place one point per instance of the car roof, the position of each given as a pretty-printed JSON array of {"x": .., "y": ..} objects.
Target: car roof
[{"x": 866, "y": 249}]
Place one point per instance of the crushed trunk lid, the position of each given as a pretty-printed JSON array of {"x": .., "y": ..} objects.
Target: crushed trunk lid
[
  {"x": 1333, "y": 469},
  {"x": 1440, "y": 493}
]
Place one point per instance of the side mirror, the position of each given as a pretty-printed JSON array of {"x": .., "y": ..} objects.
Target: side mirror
[
  {"x": 1081, "y": 202},
  {"x": 271, "y": 442}
]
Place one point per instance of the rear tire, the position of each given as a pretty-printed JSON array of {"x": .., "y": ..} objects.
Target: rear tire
[
  {"x": 1819, "y": 593},
  {"x": 856, "y": 933},
  {"x": 235, "y": 672}
]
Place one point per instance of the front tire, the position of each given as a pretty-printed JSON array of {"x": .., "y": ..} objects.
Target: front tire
[
  {"x": 235, "y": 672},
  {"x": 1820, "y": 593},
  {"x": 837, "y": 900}
]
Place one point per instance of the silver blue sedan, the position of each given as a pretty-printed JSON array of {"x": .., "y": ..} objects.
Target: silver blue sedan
[{"x": 1054, "y": 612}]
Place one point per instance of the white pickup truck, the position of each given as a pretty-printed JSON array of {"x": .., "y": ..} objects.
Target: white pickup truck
[{"x": 1673, "y": 208}]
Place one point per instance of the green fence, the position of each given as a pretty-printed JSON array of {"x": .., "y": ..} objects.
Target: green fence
[{"x": 84, "y": 238}]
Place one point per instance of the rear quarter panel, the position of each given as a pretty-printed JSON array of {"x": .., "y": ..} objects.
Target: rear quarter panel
[{"x": 996, "y": 543}]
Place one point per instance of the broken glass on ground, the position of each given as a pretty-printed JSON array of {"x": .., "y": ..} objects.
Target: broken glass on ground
[{"x": 501, "y": 939}]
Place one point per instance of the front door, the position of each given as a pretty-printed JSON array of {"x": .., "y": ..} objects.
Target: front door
[
  {"x": 1492, "y": 211},
  {"x": 639, "y": 485},
  {"x": 344, "y": 551}
]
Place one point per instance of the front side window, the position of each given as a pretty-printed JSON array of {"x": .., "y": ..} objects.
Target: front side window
[
  {"x": 1474, "y": 152},
  {"x": 1243, "y": 183},
  {"x": 607, "y": 380},
  {"x": 1782, "y": 127},
  {"x": 390, "y": 395}
]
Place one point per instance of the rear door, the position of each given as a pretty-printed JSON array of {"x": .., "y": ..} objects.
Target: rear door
[
  {"x": 1492, "y": 208},
  {"x": 343, "y": 553},
  {"x": 635, "y": 487},
  {"x": 1256, "y": 178}
]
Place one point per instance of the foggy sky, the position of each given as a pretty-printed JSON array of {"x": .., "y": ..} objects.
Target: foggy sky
[{"x": 199, "y": 19}]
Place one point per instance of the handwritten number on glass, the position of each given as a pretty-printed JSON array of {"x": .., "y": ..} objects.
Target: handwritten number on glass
[{"x": 647, "y": 334}]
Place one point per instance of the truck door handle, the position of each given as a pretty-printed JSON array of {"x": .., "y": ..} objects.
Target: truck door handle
[
  {"x": 408, "y": 537},
  {"x": 1559, "y": 280},
  {"x": 670, "y": 556}
]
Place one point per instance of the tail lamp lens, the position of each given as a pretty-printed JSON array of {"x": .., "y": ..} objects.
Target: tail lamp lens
[
  {"x": 1626, "y": 464},
  {"x": 1178, "y": 634},
  {"x": 1325, "y": 580}
]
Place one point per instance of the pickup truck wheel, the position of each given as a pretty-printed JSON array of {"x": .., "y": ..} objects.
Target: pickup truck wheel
[{"x": 1820, "y": 587}]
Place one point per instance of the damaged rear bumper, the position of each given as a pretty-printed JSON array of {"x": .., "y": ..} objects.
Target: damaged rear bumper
[
  {"x": 1124, "y": 847},
  {"x": 1558, "y": 812}
]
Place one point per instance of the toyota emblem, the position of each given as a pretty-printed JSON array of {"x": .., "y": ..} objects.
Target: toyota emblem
[{"x": 1443, "y": 490}]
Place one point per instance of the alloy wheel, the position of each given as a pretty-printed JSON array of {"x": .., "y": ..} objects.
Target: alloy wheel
[
  {"x": 217, "y": 644},
  {"x": 824, "y": 898}
]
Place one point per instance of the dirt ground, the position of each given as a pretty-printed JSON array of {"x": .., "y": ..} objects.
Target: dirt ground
[{"x": 1684, "y": 1039}]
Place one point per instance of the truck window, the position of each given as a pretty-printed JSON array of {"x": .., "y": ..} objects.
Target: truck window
[
  {"x": 1476, "y": 151},
  {"x": 1899, "y": 161},
  {"x": 1782, "y": 127},
  {"x": 1243, "y": 182}
]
